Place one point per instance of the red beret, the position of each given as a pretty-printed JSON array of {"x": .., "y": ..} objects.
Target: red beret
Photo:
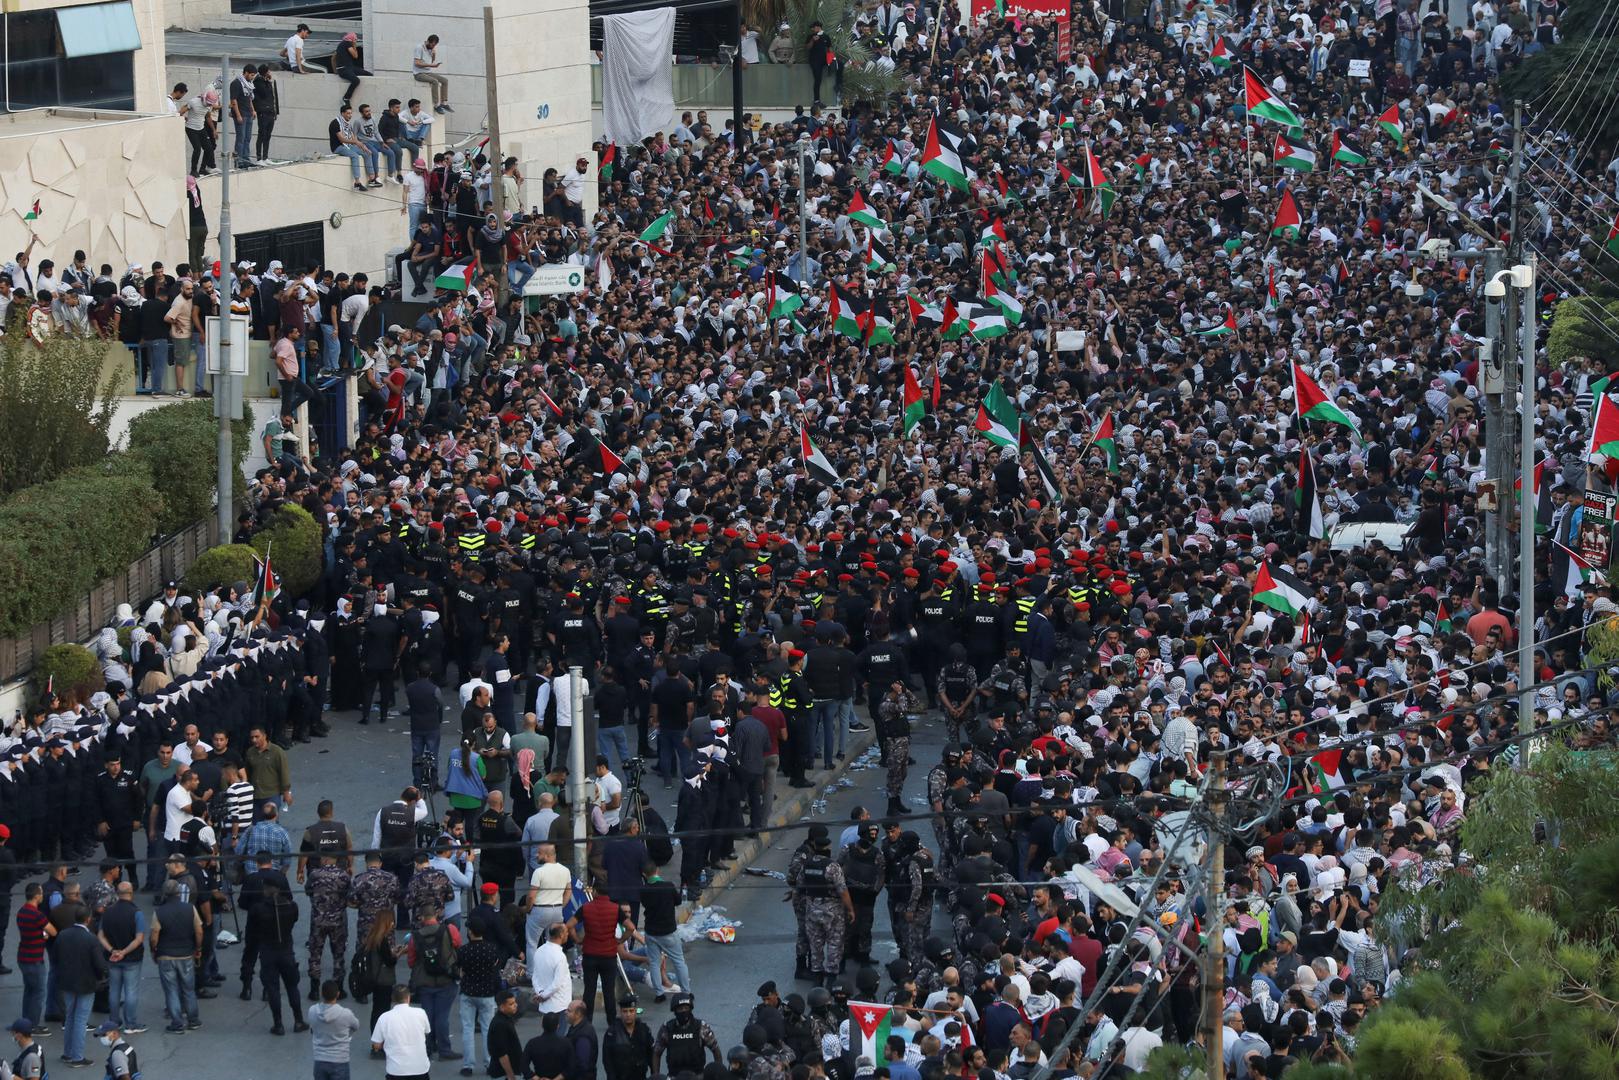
[
  {"x": 469, "y": 515},
  {"x": 520, "y": 517},
  {"x": 904, "y": 541},
  {"x": 730, "y": 533},
  {"x": 437, "y": 526},
  {"x": 845, "y": 577},
  {"x": 940, "y": 582},
  {"x": 491, "y": 526},
  {"x": 808, "y": 624},
  {"x": 1083, "y": 605},
  {"x": 948, "y": 567},
  {"x": 751, "y": 545},
  {"x": 867, "y": 564},
  {"x": 836, "y": 538},
  {"x": 624, "y": 600},
  {"x": 660, "y": 526},
  {"x": 884, "y": 575},
  {"x": 941, "y": 554},
  {"x": 813, "y": 549},
  {"x": 620, "y": 518},
  {"x": 582, "y": 519},
  {"x": 700, "y": 528},
  {"x": 871, "y": 541},
  {"x": 572, "y": 596},
  {"x": 995, "y": 898},
  {"x": 795, "y": 654},
  {"x": 1122, "y": 588},
  {"x": 763, "y": 570},
  {"x": 489, "y": 888},
  {"x": 1104, "y": 573},
  {"x": 1113, "y": 526},
  {"x": 1034, "y": 504},
  {"x": 1042, "y": 551},
  {"x": 912, "y": 572},
  {"x": 986, "y": 579},
  {"x": 1042, "y": 563}
]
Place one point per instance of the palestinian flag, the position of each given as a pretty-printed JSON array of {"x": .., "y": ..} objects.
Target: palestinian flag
[
  {"x": 945, "y": 153},
  {"x": 844, "y": 312},
  {"x": 1326, "y": 771},
  {"x": 1048, "y": 476},
  {"x": 876, "y": 324},
  {"x": 953, "y": 325},
  {"x": 1604, "y": 431},
  {"x": 859, "y": 211},
  {"x": 1278, "y": 588},
  {"x": 1220, "y": 57},
  {"x": 1272, "y": 300},
  {"x": 1228, "y": 325},
  {"x": 878, "y": 257},
  {"x": 1140, "y": 165},
  {"x": 610, "y": 462},
  {"x": 264, "y": 580},
  {"x": 873, "y": 1022},
  {"x": 997, "y": 270},
  {"x": 659, "y": 228},
  {"x": 985, "y": 322},
  {"x": 549, "y": 403},
  {"x": 935, "y": 389},
  {"x": 741, "y": 257},
  {"x": 1006, "y": 301},
  {"x": 915, "y": 403},
  {"x": 608, "y": 159},
  {"x": 1580, "y": 571},
  {"x": 1065, "y": 122},
  {"x": 1098, "y": 182},
  {"x": 1312, "y": 403},
  {"x": 998, "y": 419},
  {"x": 1292, "y": 155},
  {"x": 1390, "y": 122},
  {"x": 993, "y": 233},
  {"x": 1543, "y": 497},
  {"x": 33, "y": 212},
  {"x": 783, "y": 297},
  {"x": 892, "y": 163},
  {"x": 1611, "y": 244},
  {"x": 708, "y": 212},
  {"x": 816, "y": 465},
  {"x": 457, "y": 277},
  {"x": 1288, "y": 222},
  {"x": 921, "y": 313},
  {"x": 1104, "y": 441},
  {"x": 1311, "y": 522},
  {"x": 1068, "y": 176},
  {"x": 1441, "y": 618},
  {"x": 1346, "y": 151},
  {"x": 1264, "y": 105}
]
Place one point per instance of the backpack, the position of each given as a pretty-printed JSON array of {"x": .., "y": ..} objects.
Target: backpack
[
  {"x": 362, "y": 974},
  {"x": 438, "y": 957}
]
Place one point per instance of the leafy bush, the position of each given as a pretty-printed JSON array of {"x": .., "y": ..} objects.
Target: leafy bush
[
  {"x": 222, "y": 565},
  {"x": 296, "y": 547},
  {"x": 58, "y": 539},
  {"x": 55, "y": 410},
  {"x": 72, "y": 671},
  {"x": 178, "y": 443}
]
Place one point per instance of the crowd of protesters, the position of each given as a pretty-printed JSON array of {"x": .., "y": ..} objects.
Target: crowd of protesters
[{"x": 700, "y": 482}]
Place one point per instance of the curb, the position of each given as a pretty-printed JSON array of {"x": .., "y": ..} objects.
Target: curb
[{"x": 790, "y": 809}]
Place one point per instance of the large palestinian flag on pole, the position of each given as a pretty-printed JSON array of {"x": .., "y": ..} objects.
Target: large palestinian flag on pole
[
  {"x": 998, "y": 419},
  {"x": 816, "y": 464},
  {"x": 945, "y": 153},
  {"x": 1264, "y": 105},
  {"x": 1312, "y": 402},
  {"x": 1277, "y": 587}
]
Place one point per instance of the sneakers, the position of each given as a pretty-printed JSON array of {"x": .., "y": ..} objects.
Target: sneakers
[
  {"x": 855, "y": 725},
  {"x": 193, "y": 1025},
  {"x": 136, "y": 1029},
  {"x": 172, "y": 1029},
  {"x": 76, "y": 1063},
  {"x": 447, "y": 107},
  {"x": 299, "y": 1025},
  {"x": 358, "y": 186},
  {"x": 43, "y": 1032},
  {"x": 374, "y": 182}
]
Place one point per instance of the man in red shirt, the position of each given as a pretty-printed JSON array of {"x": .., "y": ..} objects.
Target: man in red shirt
[
  {"x": 33, "y": 928},
  {"x": 775, "y": 722},
  {"x": 595, "y": 926}
]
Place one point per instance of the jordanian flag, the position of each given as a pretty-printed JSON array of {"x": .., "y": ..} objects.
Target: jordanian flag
[
  {"x": 1292, "y": 155},
  {"x": 1228, "y": 325},
  {"x": 816, "y": 464},
  {"x": 915, "y": 404},
  {"x": 1277, "y": 587},
  {"x": 1098, "y": 182},
  {"x": 1390, "y": 122},
  {"x": 659, "y": 228},
  {"x": 845, "y": 311},
  {"x": 457, "y": 277},
  {"x": 783, "y": 297},
  {"x": 859, "y": 211},
  {"x": 1604, "y": 431},
  {"x": 1048, "y": 476},
  {"x": 609, "y": 158},
  {"x": 998, "y": 418},
  {"x": 1264, "y": 105},
  {"x": 1344, "y": 150},
  {"x": 873, "y": 1022},
  {"x": 1311, "y": 521},
  {"x": 1104, "y": 441},
  {"x": 1220, "y": 57},
  {"x": 945, "y": 153},
  {"x": 1006, "y": 301},
  {"x": 1312, "y": 402},
  {"x": 1288, "y": 222},
  {"x": 1326, "y": 771}
]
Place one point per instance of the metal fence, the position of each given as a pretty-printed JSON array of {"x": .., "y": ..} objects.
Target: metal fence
[{"x": 144, "y": 579}]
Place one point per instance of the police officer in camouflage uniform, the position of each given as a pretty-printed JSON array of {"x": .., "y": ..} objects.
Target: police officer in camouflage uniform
[
  {"x": 1007, "y": 684},
  {"x": 429, "y": 890},
  {"x": 894, "y": 714},
  {"x": 801, "y": 943},
  {"x": 373, "y": 891},
  {"x": 827, "y": 909},
  {"x": 330, "y": 889}
]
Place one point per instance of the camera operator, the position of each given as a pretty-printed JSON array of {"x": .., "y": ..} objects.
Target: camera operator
[{"x": 426, "y": 724}]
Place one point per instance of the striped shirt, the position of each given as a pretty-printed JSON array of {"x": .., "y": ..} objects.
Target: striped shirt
[
  {"x": 31, "y": 923},
  {"x": 239, "y": 804}
]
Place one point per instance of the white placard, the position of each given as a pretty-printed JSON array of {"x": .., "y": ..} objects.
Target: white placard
[
  {"x": 1360, "y": 69},
  {"x": 555, "y": 278},
  {"x": 239, "y": 333},
  {"x": 1070, "y": 340}
]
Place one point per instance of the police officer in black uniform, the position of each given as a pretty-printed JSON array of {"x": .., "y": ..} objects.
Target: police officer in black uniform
[{"x": 863, "y": 872}]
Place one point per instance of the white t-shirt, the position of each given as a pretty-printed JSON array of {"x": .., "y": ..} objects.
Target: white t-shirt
[
  {"x": 415, "y": 189},
  {"x": 562, "y": 691},
  {"x": 402, "y": 1034},
  {"x": 353, "y": 311},
  {"x": 176, "y": 809},
  {"x": 750, "y": 47},
  {"x": 422, "y": 58},
  {"x": 553, "y": 882},
  {"x": 606, "y": 788},
  {"x": 295, "y": 50}
]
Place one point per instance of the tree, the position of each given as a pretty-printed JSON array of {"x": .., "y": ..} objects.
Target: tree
[
  {"x": 1565, "y": 80},
  {"x": 861, "y": 81},
  {"x": 55, "y": 408}
]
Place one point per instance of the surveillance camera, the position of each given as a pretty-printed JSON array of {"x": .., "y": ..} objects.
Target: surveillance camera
[
  {"x": 1414, "y": 289},
  {"x": 1437, "y": 248},
  {"x": 1495, "y": 290}
]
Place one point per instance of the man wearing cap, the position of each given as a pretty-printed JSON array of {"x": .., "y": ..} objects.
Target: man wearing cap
[
  {"x": 29, "y": 1064},
  {"x": 627, "y": 1046},
  {"x": 827, "y": 909},
  {"x": 792, "y": 696}
]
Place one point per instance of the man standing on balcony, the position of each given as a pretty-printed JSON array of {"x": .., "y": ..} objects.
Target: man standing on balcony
[
  {"x": 424, "y": 65},
  {"x": 266, "y": 107},
  {"x": 241, "y": 113}
]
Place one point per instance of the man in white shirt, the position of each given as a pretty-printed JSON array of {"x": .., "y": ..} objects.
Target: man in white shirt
[
  {"x": 573, "y": 189},
  {"x": 292, "y": 53},
  {"x": 424, "y": 65},
  {"x": 548, "y": 889},
  {"x": 562, "y": 692},
  {"x": 609, "y": 793},
  {"x": 177, "y": 805},
  {"x": 549, "y": 974},
  {"x": 401, "y": 1036}
]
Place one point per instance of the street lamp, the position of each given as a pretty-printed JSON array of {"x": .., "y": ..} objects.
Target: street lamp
[{"x": 1522, "y": 276}]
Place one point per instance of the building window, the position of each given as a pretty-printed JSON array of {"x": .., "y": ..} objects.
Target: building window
[
  {"x": 83, "y": 57},
  {"x": 297, "y": 246}
]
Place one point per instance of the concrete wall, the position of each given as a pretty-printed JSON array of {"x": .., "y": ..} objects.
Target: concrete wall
[
  {"x": 109, "y": 183},
  {"x": 706, "y": 86}
]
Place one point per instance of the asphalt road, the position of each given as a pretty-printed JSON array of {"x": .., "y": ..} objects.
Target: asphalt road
[{"x": 360, "y": 769}]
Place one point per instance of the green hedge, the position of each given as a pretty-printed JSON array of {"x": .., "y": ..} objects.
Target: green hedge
[
  {"x": 70, "y": 670},
  {"x": 179, "y": 444},
  {"x": 297, "y": 549},
  {"x": 60, "y": 538},
  {"x": 222, "y": 565}
]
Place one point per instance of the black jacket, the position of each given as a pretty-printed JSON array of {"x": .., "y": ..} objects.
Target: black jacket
[
  {"x": 627, "y": 1055},
  {"x": 425, "y": 708},
  {"x": 80, "y": 962}
]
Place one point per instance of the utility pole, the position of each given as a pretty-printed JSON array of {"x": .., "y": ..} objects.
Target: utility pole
[
  {"x": 1526, "y": 518},
  {"x": 736, "y": 88},
  {"x": 224, "y": 382},
  {"x": 581, "y": 780},
  {"x": 497, "y": 159},
  {"x": 804, "y": 166},
  {"x": 1511, "y": 367},
  {"x": 1214, "y": 796},
  {"x": 1498, "y": 534}
]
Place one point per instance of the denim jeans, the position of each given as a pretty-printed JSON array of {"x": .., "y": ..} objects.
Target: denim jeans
[
  {"x": 178, "y": 975},
  {"x": 77, "y": 1015},
  {"x": 356, "y": 158},
  {"x": 412, "y": 143},
  {"x": 419, "y": 745},
  {"x": 331, "y": 1070},
  {"x": 243, "y": 129},
  {"x": 845, "y": 718},
  {"x": 823, "y": 723},
  {"x": 328, "y": 345},
  {"x": 673, "y": 753},
  {"x": 518, "y": 271},
  {"x": 614, "y": 738},
  {"x": 436, "y": 1002},
  {"x": 123, "y": 991},
  {"x": 667, "y": 945},
  {"x": 199, "y": 356},
  {"x": 475, "y": 1047},
  {"x": 157, "y": 363},
  {"x": 389, "y": 153},
  {"x": 414, "y": 212},
  {"x": 33, "y": 991}
]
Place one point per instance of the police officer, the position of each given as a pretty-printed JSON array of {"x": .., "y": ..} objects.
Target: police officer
[
  {"x": 379, "y": 659},
  {"x": 575, "y": 637},
  {"x": 396, "y": 836},
  {"x": 795, "y": 866},
  {"x": 862, "y": 864},
  {"x": 374, "y": 890},
  {"x": 271, "y": 920},
  {"x": 326, "y": 836},
  {"x": 330, "y": 891},
  {"x": 935, "y": 634},
  {"x": 468, "y": 601},
  {"x": 791, "y": 695},
  {"x": 1007, "y": 684},
  {"x": 684, "y": 1039},
  {"x": 827, "y": 909},
  {"x": 957, "y": 690},
  {"x": 894, "y": 714}
]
